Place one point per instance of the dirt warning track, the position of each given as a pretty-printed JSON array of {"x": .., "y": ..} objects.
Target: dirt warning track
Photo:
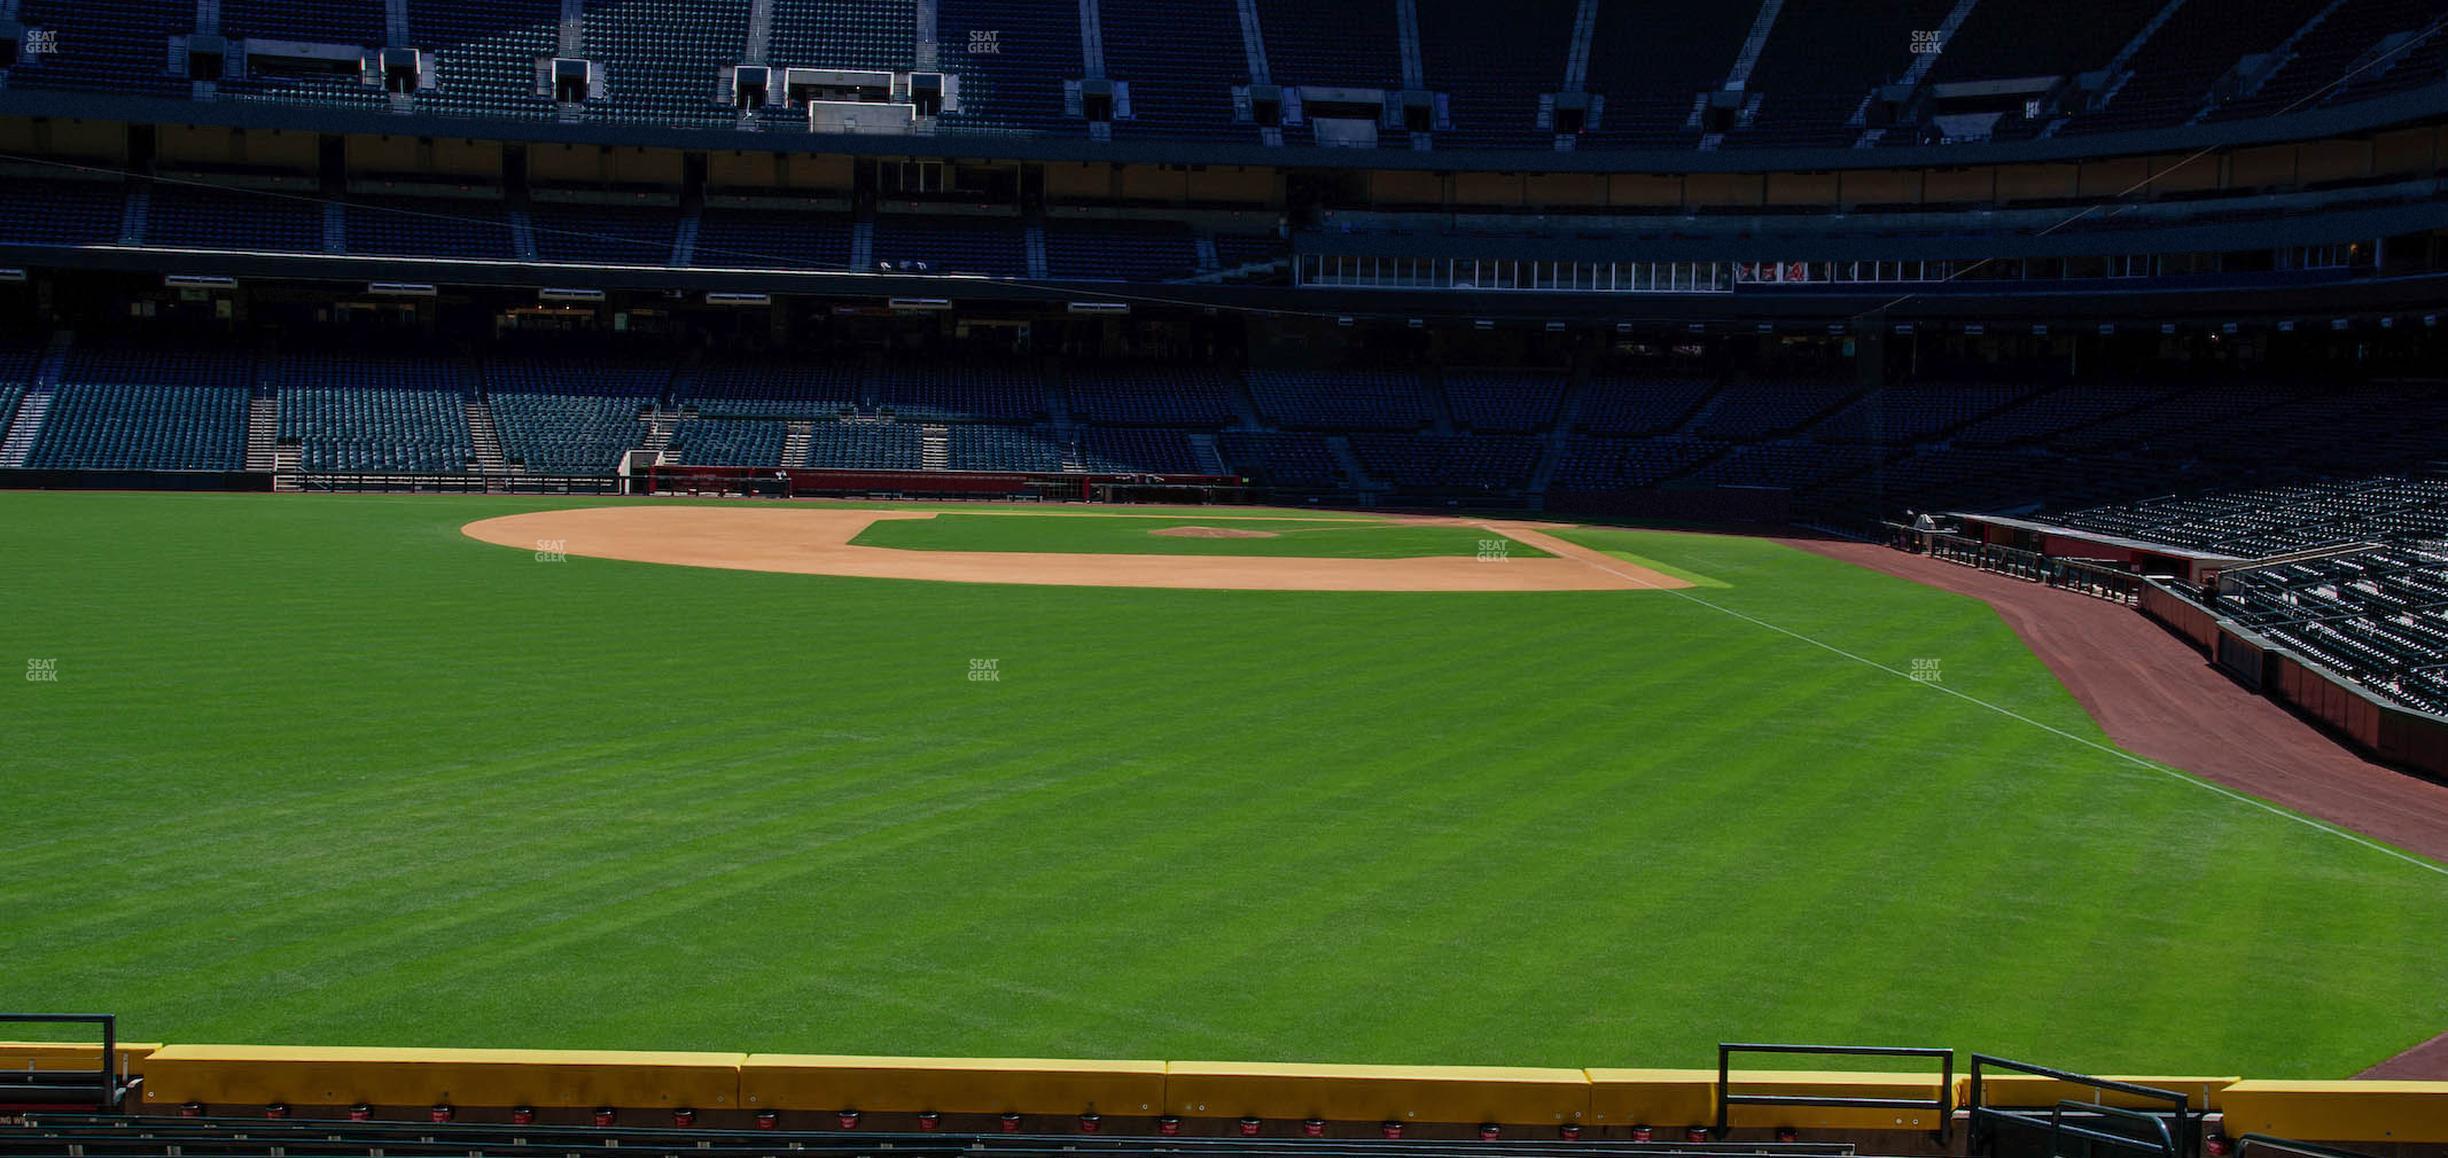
[{"x": 816, "y": 541}]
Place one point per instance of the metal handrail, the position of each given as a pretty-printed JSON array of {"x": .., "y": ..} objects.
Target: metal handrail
[
  {"x": 1943, "y": 1105},
  {"x": 2182, "y": 1139},
  {"x": 2059, "y": 1128},
  {"x": 2248, "y": 1143},
  {"x": 108, "y": 1091}
]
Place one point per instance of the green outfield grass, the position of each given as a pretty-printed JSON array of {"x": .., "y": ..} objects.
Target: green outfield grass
[
  {"x": 1315, "y": 538},
  {"x": 323, "y": 770}
]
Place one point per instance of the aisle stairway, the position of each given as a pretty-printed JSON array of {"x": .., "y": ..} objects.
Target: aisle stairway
[
  {"x": 485, "y": 438},
  {"x": 263, "y": 429},
  {"x": 1210, "y": 460},
  {"x": 18, "y": 445}
]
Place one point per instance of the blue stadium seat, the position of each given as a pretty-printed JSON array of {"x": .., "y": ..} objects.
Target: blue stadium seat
[{"x": 142, "y": 407}]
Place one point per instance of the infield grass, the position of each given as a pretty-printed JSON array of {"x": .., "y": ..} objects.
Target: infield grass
[
  {"x": 1313, "y": 538},
  {"x": 320, "y": 769}
]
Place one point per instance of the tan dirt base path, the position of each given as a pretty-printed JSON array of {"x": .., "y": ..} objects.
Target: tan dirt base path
[{"x": 816, "y": 541}]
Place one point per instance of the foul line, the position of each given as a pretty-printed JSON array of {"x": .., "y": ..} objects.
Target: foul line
[{"x": 2010, "y": 713}]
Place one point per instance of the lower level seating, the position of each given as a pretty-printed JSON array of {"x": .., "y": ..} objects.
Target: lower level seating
[
  {"x": 1291, "y": 459},
  {"x": 1137, "y": 450},
  {"x": 729, "y": 442},
  {"x": 864, "y": 446},
  {"x": 550, "y": 433},
  {"x": 1613, "y": 464},
  {"x": 1446, "y": 463},
  {"x": 377, "y": 429},
  {"x": 1023, "y": 448},
  {"x": 143, "y": 426}
]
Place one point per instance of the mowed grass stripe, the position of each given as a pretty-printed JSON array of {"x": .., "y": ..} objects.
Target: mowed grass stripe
[{"x": 324, "y": 770}]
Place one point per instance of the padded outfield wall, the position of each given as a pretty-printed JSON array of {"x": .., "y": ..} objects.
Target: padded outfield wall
[{"x": 1208, "y": 1097}]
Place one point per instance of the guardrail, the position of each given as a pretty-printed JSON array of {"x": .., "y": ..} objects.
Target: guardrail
[
  {"x": 1942, "y": 1106},
  {"x": 1985, "y": 1118},
  {"x": 37, "y": 1086}
]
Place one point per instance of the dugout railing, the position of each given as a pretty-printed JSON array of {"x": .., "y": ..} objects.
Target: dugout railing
[
  {"x": 2154, "y": 1123},
  {"x": 1940, "y": 1105}
]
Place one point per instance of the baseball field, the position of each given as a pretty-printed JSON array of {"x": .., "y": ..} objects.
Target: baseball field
[{"x": 1173, "y": 784}]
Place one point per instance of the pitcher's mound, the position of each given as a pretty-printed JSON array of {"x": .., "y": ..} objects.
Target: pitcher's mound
[{"x": 1212, "y": 533}]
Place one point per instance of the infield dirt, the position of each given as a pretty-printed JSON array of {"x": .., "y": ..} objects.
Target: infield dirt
[{"x": 817, "y": 541}]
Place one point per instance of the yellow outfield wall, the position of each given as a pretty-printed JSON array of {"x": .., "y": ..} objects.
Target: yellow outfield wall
[
  {"x": 345, "y": 1075},
  {"x": 2011, "y": 1089},
  {"x": 53, "y": 1055},
  {"x": 2351, "y": 1111},
  {"x": 1356, "y": 1093},
  {"x": 1637, "y": 1097},
  {"x": 776, "y": 1081},
  {"x": 228, "y": 1076}
]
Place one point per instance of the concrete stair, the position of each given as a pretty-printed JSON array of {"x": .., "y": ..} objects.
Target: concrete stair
[
  {"x": 522, "y": 233},
  {"x": 263, "y": 430},
  {"x": 485, "y": 438},
  {"x": 862, "y": 244},
  {"x": 684, "y": 240},
  {"x": 18, "y": 445},
  {"x": 1244, "y": 407},
  {"x": 1559, "y": 440},
  {"x": 934, "y": 447},
  {"x": 1058, "y": 410},
  {"x": 1367, "y": 488},
  {"x": 134, "y": 213},
  {"x": 1700, "y": 414},
  {"x": 1033, "y": 239},
  {"x": 1440, "y": 408},
  {"x": 661, "y": 425},
  {"x": 1210, "y": 460}
]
